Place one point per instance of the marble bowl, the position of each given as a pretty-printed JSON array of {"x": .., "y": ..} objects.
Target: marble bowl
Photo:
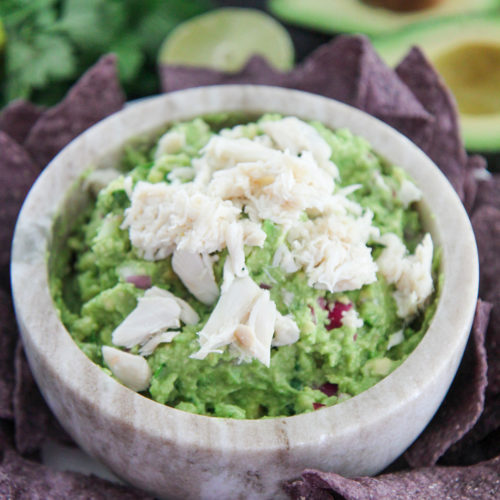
[{"x": 175, "y": 454}]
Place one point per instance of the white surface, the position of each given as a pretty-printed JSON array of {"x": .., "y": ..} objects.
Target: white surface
[{"x": 68, "y": 458}]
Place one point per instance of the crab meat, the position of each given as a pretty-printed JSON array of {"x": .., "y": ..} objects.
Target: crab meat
[
  {"x": 236, "y": 250},
  {"x": 130, "y": 369},
  {"x": 195, "y": 271},
  {"x": 296, "y": 136},
  {"x": 286, "y": 331},
  {"x": 157, "y": 339},
  {"x": 170, "y": 143},
  {"x": 152, "y": 314},
  {"x": 244, "y": 318},
  {"x": 188, "y": 315}
]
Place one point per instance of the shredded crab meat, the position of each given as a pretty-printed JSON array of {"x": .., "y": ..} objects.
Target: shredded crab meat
[
  {"x": 411, "y": 274},
  {"x": 130, "y": 369},
  {"x": 281, "y": 172}
]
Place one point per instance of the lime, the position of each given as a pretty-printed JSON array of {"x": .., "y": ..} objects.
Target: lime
[{"x": 225, "y": 38}]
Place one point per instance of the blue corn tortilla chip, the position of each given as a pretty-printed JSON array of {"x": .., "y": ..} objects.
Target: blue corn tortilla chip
[
  {"x": 256, "y": 71},
  {"x": 480, "y": 481},
  {"x": 346, "y": 69},
  {"x": 349, "y": 70},
  {"x": 382, "y": 94},
  {"x": 445, "y": 148},
  {"x": 476, "y": 169},
  {"x": 301, "y": 490},
  {"x": 8, "y": 339},
  {"x": 482, "y": 442},
  {"x": 34, "y": 422},
  {"x": 18, "y": 118},
  {"x": 21, "y": 478},
  {"x": 18, "y": 172},
  {"x": 31, "y": 417},
  {"x": 488, "y": 191},
  {"x": 464, "y": 402},
  {"x": 486, "y": 223},
  {"x": 96, "y": 95}
]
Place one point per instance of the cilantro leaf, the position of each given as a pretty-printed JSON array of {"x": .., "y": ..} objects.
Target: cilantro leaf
[{"x": 50, "y": 43}]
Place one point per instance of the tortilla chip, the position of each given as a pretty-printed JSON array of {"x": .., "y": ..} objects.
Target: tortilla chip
[
  {"x": 464, "y": 402},
  {"x": 445, "y": 147},
  {"x": 18, "y": 117},
  {"x": 8, "y": 339},
  {"x": 475, "y": 170},
  {"x": 347, "y": 69},
  {"x": 482, "y": 442},
  {"x": 301, "y": 490},
  {"x": 96, "y": 95},
  {"x": 486, "y": 223},
  {"x": 34, "y": 422},
  {"x": 382, "y": 94},
  {"x": 480, "y": 481},
  {"x": 488, "y": 191},
  {"x": 6, "y": 433},
  {"x": 490, "y": 419},
  {"x": 256, "y": 71},
  {"x": 26, "y": 479},
  {"x": 18, "y": 172},
  {"x": 335, "y": 70},
  {"x": 30, "y": 411}
]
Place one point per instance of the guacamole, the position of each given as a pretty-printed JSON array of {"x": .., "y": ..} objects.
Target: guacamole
[{"x": 305, "y": 235}]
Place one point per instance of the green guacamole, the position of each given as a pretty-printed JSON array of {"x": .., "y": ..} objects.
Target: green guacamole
[{"x": 329, "y": 363}]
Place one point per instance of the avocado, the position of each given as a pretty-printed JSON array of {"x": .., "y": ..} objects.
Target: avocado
[
  {"x": 358, "y": 16},
  {"x": 466, "y": 52}
]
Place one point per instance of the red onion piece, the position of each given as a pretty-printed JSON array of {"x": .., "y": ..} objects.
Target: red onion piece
[
  {"x": 335, "y": 315},
  {"x": 329, "y": 389},
  {"x": 142, "y": 281}
]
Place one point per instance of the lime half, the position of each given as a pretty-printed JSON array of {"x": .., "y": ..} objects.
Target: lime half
[{"x": 225, "y": 38}]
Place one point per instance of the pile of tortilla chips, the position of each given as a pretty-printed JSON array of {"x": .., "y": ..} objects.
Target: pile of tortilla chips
[{"x": 458, "y": 455}]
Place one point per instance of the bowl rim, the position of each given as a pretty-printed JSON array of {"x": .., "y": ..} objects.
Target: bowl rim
[{"x": 387, "y": 396}]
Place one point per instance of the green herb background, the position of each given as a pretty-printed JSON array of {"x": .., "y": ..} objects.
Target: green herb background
[{"x": 48, "y": 44}]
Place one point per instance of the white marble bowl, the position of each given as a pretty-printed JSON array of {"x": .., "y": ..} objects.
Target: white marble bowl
[{"x": 175, "y": 454}]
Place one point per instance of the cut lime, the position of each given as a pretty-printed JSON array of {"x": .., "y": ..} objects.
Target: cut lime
[{"x": 225, "y": 38}]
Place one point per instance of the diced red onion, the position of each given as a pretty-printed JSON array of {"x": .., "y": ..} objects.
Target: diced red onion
[
  {"x": 142, "y": 281},
  {"x": 322, "y": 303},
  {"x": 329, "y": 389},
  {"x": 335, "y": 315},
  {"x": 313, "y": 313},
  {"x": 317, "y": 406}
]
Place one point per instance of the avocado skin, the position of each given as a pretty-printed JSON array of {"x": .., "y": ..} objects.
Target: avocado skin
[
  {"x": 357, "y": 16},
  {"x": 403, "y": 5}
]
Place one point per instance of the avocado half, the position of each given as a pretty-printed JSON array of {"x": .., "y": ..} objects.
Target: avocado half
[
  {"x": 466, "y": 52},
  {"x": 356, "y": 16}
]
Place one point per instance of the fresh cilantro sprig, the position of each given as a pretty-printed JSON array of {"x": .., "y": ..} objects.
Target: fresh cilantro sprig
[
  {"x": 50, "y": 43},
  {"x": 35, "y": 53}
]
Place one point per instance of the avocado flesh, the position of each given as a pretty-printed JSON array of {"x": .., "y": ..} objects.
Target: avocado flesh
[
  {"x": 355, "y": 16},
  {"x": 472, "y": 72},
  {"x": 466, "y": 52}
]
